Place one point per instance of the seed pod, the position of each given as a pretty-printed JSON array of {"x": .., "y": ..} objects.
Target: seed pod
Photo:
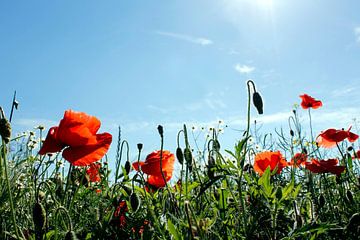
[
  {"x": 127, "y": 167},
  {"x": 180, "y": 155},
  {"x": 134, "y": 201},
  {"x": 349, "y": 196},
  {"x": 258, "y": 103},
  {"x": 5, "y": 130},
  {"x": 70, "y": 235},
  {"x": 321, "y": 201},
  {"x": 292, "y": 133},
  {"x": 39, "y": 216}
]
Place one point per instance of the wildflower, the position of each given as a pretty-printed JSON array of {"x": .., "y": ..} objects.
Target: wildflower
[
  {"x": 270, "y": 159},
  {"x": 151, "y": 166},
  {"x": 325, "y": 166},
  {"x": 298, "y": 159},
  {"x": 120, "y": 212},
  {"x": 309, "y": 102},
  {"x": 330, "y": 137},
  {"x": 93, "y": 172},
  {"x": 77, "y": 134}
]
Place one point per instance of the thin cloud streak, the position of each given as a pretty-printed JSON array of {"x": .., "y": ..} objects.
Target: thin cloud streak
[
  {"x": 244, "y": 68},
  {"x": 197, "y": 40}
]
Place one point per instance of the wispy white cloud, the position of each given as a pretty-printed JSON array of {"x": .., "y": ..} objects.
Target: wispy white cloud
[
  {"x": 242, "y": 68},
  {"x": 357, "y": 33},
  {"x": 210, "y": 100},
  {"x": 343, "y": 91},
  {"x": 188, "y": 38}
]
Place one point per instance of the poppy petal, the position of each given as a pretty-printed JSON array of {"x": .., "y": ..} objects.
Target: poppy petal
[
  {"x": 78, "y": 128},
  {"x": 87, "y": 154},
  {"x": 51, "y": 144}
]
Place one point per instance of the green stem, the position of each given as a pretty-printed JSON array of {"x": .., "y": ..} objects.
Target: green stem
[{"x": 9, "y": 191}]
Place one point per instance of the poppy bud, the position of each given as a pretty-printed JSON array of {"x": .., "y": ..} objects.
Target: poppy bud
[
  {"x": 217, "y": 195},
  {"x": 258, "y": 103},
  {"x": 216, "y": 145},
  {"x": 188, "y": 157},
  {"x": 139, "y": 146},
  {"x": 5, "y": 130},
  {"x": 127, "y": 167},
  {"x": 299, "y": 220},
  {"x": 304, "y": 151},
  {"x": 354, "y": 221},
  {"x": 350, "y": 149},
  {"x": 134, "y": 201},
  {"x": 292, "y": 133},
  {"x": 338, "y": 179},
  {"x": 39, "y": 216},
  {"x": 161, "y": 130},
  {"x": 70, "y": 235},
  {"x": 349, "y": 196},
  {"x": 211, "y": 172},
  {"x": 180, "y": 155},
  {"x": 321, "y": 201},
  {"x": 278, "y": 193}
]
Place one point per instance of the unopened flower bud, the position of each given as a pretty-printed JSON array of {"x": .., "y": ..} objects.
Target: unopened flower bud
[
  {"x": 321, "y": 201},
  {"x": 139, "y": 146},
  {"x": 127, "y": 167},
  {"x": 39, "y": 216},
  {"x": 70, "y": 235},
  {"x": 134, "y": 201},
  {"x": 349, "y": 196},
  {"x": 5, "y": 130},
  {"x": 292, "y": 133},
  {"x": 188, "y": 157},
  {"x": 258, "y": 103},
  {"x": 180, "y": 155},
  {"x": 161, "y": 130}
]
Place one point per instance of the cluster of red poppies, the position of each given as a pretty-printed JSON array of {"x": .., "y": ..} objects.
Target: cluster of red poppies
[
  {"x": 77, "y": 136},
  {"x": 327, "y": 139}
]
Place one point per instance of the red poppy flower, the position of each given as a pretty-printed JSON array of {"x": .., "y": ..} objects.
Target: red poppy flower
[
  {"x": 120, "y": 212},
  {"x": 77, "y": 134},
  {"x": 309, "y": 102},
  {"x": 324, "y": 166},
  {"x": 93, "y": 172},
  {"x": 298, "y": 159},
  {"x": 330, "y": 137},
  {"x": 151, "y": 166},
  {"x": 270, "y": 159}
]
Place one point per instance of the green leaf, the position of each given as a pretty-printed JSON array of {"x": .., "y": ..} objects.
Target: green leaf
[
  {"x": 173, "y": 230},
  {"x": 264, "y": 182},
  {"x": 287, "y": 190}
]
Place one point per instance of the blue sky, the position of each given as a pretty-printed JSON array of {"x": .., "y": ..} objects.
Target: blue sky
[{"x": 142, "y": 63}]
